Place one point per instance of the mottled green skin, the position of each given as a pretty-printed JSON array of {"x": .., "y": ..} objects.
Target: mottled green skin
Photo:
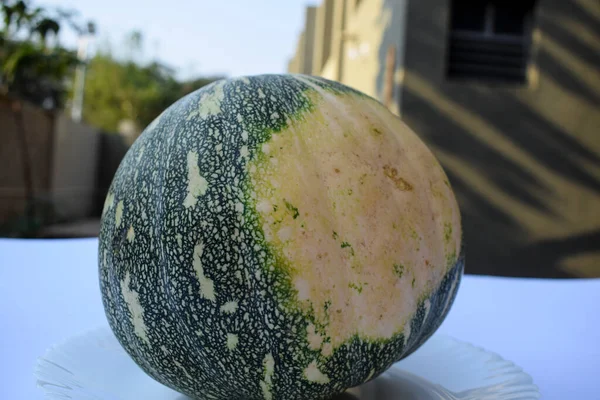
[{"x": 188, "y": 332}]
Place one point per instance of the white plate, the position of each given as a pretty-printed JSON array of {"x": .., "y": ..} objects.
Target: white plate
[{"x": 94, "y": 366}]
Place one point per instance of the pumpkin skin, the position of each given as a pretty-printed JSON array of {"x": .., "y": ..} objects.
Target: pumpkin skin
[{"x": 277, "y": 237}]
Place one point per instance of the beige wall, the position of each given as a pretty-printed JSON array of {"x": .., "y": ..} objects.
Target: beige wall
[
  {"x": 373, "y": 27},
  {"x": 300, "y": 53},
  {"x": 74, "y": 173},
  {"x": 362, "y": 33},
  {"x": 309, "y": 39},
  {"x": 333, "y": 66},
  {"x": 322, "y": 40}
]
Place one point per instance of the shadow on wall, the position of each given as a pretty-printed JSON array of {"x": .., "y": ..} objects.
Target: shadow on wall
[{"x": 524, "y": 162}]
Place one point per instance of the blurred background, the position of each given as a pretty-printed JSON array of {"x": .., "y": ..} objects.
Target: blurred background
[{"x": 506, "y": 94}]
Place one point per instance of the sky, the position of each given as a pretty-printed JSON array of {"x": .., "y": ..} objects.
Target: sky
[{"x": 198, "y": 38}]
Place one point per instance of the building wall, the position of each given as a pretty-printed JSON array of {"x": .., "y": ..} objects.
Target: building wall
[
  {"x": 66, "y": 166},
  {"x": 302, "y": 60},
  {"x": 322, "y": 39},
  {"x": 74, "y": 173},
  {"x": 309, "y": 39},
  {"x": 374, "y": 28},
  {"x": 333, "y": 67},
  {"x": 38, "y": 138},
  {"x": 524, "y": 160}
]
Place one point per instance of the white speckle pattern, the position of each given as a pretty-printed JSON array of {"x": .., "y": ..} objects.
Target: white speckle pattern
[
  {"x": 427, "y": 306},
  {"x": 141, "y": 154},
  {"x": 207, "y": 288},
  {"x": 182, "y": 368},
  {"x": 449, "y": 299},
  {"x": 232, "y": 341},
  {"x": 210, "y": 102},
  {"x": 314, "y": 339},
  {"x": 230, "y": 307},
  {"x": 197, "y": 185},
  {"x": 327, "y": 349},
  {"x": 131, "y": 234},
  {"x": 312, "y": 373},
  {"x": 132, "y": 300},
  {"x": 267, "y": 383},
  {"x": 264, "y": 206},
  {"x": 239, "y": 207},
  {"x": 119, "y": 214},
  {"x": 406, "y": 332}
]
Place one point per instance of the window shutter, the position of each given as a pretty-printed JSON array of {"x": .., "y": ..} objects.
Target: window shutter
[{"x": 487, "y": 57}]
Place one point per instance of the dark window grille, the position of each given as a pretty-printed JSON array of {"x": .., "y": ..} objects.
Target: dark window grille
[{"x": 490, "y": 40}]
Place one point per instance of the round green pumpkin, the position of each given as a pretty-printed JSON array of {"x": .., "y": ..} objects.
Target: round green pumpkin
[{"x": 277, "y": 237}]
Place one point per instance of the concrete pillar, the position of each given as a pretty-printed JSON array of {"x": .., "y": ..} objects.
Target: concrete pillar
[
  {"x": 337, "y": 36},
  {"x": 309, "y": 40},
  {"x": 323, "y": 30}
]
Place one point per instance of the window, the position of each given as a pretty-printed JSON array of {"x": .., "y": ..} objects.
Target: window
[{"x": 490, "y": 40}]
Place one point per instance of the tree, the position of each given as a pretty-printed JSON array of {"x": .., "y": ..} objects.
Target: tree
[
  {"x": 31, "y": 70},
  {"x": 126, "y": 90}
]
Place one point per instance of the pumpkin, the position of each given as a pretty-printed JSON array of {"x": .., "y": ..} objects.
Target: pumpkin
[{"x": 277, "y": 237}]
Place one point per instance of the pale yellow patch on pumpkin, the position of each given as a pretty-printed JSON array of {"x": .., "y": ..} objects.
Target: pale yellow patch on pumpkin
[
  {"x": 230, "y": 307},
  {"x": 119, "y": 213},
  {"x": 312, "y": 373},
  {"x": 210, "y": 102},
  {"x": 131, "y": 234},
  {"x": 353, "y": 195},
  {"x": 197, "y": 184},
  {"x": 327, "y": 349},
  {"x": 313, "y": 337},
  {"x": 207, "y": 287},
  {"x": 232, "y": 341},
  {"x": 132, "y": 299},
  {"x": 267, "y": 383}
]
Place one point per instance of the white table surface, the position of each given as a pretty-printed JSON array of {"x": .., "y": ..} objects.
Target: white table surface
[{"x": 49, "y": 291}]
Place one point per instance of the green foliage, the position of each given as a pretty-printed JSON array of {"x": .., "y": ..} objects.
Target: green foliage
[
  {"x": 118, "y": 90},
  {"x": 30, "y": 68}
]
